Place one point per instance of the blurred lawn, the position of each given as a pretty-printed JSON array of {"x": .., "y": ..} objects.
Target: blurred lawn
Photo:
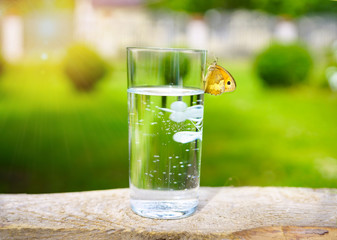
[{"x": 54, "y": 139}]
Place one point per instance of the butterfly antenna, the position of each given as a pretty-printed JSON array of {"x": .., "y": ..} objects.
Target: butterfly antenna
[{"x": 215, "y": 59}]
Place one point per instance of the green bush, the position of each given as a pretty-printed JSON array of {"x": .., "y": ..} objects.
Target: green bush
[
  {"x": 2, "y": 64},
  {"x": 283, "y": 65},
  {"x": 176, "y": 66},
  {"x": 84, "y": 67}
]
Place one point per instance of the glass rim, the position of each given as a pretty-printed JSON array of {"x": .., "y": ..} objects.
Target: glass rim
[{"x": 162, "y": 49}]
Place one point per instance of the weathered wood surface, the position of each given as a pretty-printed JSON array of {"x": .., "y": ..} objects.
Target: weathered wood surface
[{"x": 223, "y": 213}]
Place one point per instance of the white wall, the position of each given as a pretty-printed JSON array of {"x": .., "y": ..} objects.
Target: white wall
[{"x": 12, "y": 38}]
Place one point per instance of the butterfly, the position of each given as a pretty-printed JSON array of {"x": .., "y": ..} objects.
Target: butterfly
[{"x": 218, "y": 80}]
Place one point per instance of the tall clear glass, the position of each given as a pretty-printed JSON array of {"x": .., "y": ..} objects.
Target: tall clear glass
[{"x": 165, "y": 101}]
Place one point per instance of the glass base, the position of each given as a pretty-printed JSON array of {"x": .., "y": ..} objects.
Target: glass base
[{"x": 173, "y": 209}]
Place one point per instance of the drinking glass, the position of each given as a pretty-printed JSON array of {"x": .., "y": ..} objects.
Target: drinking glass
[{"x": 165, "y": 107}]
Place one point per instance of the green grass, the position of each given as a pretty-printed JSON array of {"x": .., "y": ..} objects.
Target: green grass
[{"x": 54, "y": 139}]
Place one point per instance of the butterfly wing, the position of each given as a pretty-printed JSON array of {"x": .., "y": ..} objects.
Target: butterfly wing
[
  {"x": 218, "y": 80},
  {"x": 213, "y": 80},
  {"x": 230, "y": 84}
]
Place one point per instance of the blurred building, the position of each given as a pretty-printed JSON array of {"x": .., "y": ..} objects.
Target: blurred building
[
  {"x": 12, "y": 38},
  {"x": 112, "y": 25}
]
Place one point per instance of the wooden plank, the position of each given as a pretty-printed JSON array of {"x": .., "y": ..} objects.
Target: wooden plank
[{"x": 223, "y": 213}]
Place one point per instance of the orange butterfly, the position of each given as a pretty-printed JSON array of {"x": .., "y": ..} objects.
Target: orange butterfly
[{"x": 218, "y": 80}]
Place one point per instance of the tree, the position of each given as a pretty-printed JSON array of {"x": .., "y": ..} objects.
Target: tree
[
  {"x": 291, "y": 8},
  {"x": 294, "y": 8},
  {"x": 25, "y": 6}
]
